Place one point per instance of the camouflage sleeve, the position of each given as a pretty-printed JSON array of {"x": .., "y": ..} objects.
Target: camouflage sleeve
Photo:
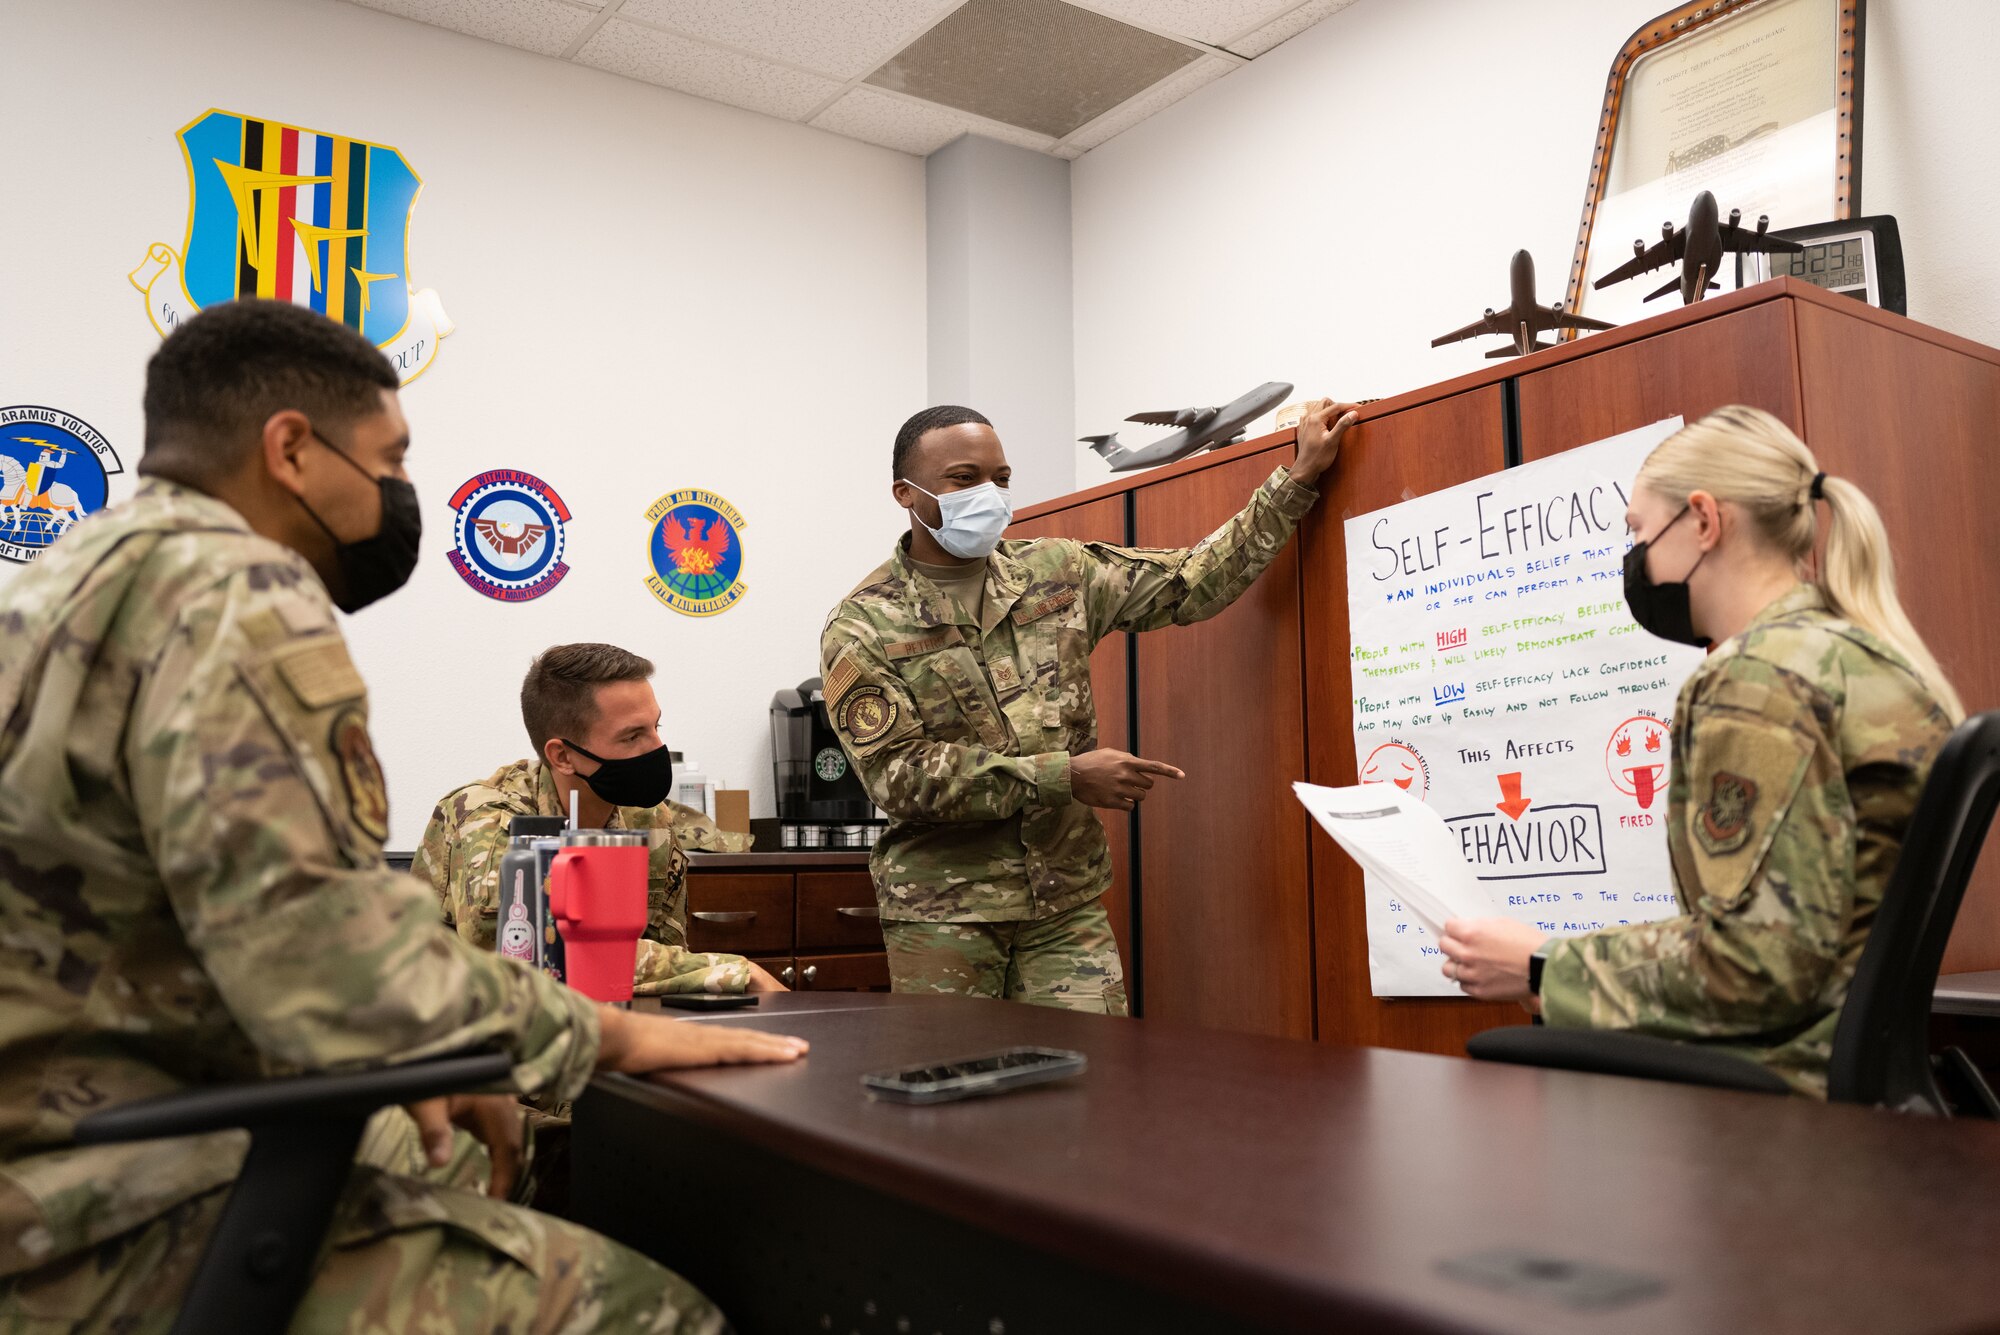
[
  {"x": 1145, "y": 588},
  {"x": 903, "y": 771},
  {"x": 696, "y": 833},
  {"x": 263, "y": 809},
  {"x": 664, "y": 968},
  {"x": 472, "y": 883},
  {"x": 1767, "y": 875}
]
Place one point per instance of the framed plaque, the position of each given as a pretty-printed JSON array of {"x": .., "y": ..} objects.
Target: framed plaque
[{"x": 1755, "y": 101}]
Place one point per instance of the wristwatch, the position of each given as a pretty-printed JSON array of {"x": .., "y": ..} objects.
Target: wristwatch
[{"x": 1536, "y": 963}]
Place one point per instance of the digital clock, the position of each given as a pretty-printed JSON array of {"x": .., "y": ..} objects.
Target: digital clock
[{"x": 1860, "y": 258}]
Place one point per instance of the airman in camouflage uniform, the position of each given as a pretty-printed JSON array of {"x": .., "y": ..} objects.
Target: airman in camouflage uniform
[
  {"x": 1799, "y": 751},
  {"x": 467, "y": 836},
  {"x": 192, "y": 890},
  {"x": 968, "y": 728}
]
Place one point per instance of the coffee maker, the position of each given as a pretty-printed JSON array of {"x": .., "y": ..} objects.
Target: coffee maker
[{"x": 821, "y": 803}]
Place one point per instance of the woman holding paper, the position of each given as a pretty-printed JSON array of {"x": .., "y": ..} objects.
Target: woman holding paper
[{"x": 1799, "y": 748}]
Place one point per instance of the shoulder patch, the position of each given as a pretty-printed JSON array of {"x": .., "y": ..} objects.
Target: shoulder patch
[
  {"x": 1055, "y": 602},
  {"x": 361, "y": 773},
  {"x": 928, "y": 644},
  {"x": 867, "y": 715},
  {"x": 1723, "y": 823},
  {"x": 319, "y": 672}
]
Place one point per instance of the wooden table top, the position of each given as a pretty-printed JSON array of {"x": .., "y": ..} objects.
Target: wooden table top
[{"x": 1298, "y": 1183}]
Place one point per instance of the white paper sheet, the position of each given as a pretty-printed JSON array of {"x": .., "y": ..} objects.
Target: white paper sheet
[
  {"x": 1499, "y": 681},
  {"x": 1405, "y": 844}
]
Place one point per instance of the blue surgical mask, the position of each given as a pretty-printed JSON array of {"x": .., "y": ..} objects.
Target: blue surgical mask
[{"x": 971, "y": 521}]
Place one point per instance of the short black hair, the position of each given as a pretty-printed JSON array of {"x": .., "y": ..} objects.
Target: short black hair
[
  {"x": 930, "y": 419},
  {"x": 218, "y": 378}
]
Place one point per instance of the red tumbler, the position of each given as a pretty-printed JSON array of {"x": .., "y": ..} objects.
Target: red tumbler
[{"x": 597, "y": 892}]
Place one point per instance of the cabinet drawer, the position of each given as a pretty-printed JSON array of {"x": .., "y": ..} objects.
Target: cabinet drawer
[
  {"x": 740, "y": 912},
  {"x": 864, "y": 971},
  {"x": 837, "y": 911}
]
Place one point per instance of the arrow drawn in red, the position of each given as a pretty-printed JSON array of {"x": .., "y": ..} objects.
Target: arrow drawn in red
[{"x": 1511, "y": 800}]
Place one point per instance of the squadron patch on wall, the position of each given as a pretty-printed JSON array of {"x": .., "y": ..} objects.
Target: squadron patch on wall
[
  {"x": 292, "y": 214},
  {"x": 867, "y": 715},
  {"x": 360, "y": 773},
  {"x": 52, "y": 473},
  {"x": 509, "y": 535}
]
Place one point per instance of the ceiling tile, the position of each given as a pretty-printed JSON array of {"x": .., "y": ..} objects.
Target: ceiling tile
[
  {"x": 843, "y": 38},
  {"x": 1043, "y": 65},
  {"x": 911, "y": 126},
  {"x": 1211, "y": 21},
  {"x": 544, "y": 26},
  {"x": 1289, "y": 26},
  {"x": 1155, "y": 99},
  {"x": 692, "y": 67}
]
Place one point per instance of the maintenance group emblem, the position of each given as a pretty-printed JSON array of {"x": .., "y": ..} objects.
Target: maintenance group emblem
[
  {"x": 696, "y": 549},
  {"x": 508, "y": 537},
  {"x": 300, "y": 215},
  {"x": 53, "y": 471}
]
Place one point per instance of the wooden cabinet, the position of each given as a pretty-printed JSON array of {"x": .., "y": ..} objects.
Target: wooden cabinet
[
  {"x": 740, "y": 913},
  {"x": 809, "y": 918},
  {"x": 837, "y": 911},
  {"x": 863, "y": 971},
  {"x": 1242, "y": 916},
  {"x": 1224, "y": 850}
]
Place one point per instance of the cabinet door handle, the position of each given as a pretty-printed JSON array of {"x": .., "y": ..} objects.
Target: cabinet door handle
[
  {"x": 737, "y": 915},
  {"x": 848, "y": 911},
  {"x": 812, "y": 972},
  {"x": 788, "y": 975}
]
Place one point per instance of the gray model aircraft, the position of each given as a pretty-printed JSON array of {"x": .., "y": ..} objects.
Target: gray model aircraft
[
  {"x": 1524, "y": 317},
  {"x": 1200, "y": 429},
  {"x": 1699, "y": 248}
]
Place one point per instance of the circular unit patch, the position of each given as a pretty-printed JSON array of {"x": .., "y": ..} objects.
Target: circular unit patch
[
  {"x": 53, "y": 471},
  {"x": 508, "y": 535}
]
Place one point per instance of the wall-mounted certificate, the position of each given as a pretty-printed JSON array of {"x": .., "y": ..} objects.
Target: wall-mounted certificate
[{"x": 1756, "y": 101}]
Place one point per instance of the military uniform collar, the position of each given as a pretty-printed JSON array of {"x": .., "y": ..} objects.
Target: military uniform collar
[
  {"x": 1800, "y": 597},
  {"x": 549, "y": 803},
  {"x": 185, "y": 502},
  {"x": 928, "y": 605}
]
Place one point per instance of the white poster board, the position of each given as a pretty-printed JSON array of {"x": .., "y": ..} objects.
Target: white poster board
[{"x": 1499, "y": 678}]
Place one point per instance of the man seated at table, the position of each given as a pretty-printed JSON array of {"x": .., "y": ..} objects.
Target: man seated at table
[{"x": 595, "y": 725}]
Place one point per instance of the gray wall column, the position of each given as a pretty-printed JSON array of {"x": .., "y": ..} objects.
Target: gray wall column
[{"x": 1001, "y": 338}]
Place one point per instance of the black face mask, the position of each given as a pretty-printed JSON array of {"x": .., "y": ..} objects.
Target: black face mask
[
  {"x": 630, "y": 781},
  {"x": 376, "y": 567},
  {"x": 1661, "y": 609}
]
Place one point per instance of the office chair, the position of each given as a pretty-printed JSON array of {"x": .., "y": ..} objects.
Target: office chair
[
  {"x": 303, "y": 1134},
  {"x": 1881, "y": 1051}
]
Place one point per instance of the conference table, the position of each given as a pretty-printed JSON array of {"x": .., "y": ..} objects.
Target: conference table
[{"x": 1193, "y": 1179}]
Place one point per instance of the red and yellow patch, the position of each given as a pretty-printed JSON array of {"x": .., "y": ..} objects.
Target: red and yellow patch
[
  {"x": 360, "y": 773},
  {"x": 1724, "y": 820},
  {"x": 867, "y": 715}
]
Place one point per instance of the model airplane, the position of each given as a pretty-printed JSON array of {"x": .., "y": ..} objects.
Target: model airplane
[
  {"x": 1699, "y": 247},
  {"x": 1200, "y": 428},
  {"x": 1523, "y": 318}
]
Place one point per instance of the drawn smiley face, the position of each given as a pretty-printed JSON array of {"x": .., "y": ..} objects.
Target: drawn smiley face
[{"x": 1394, "y": 762}]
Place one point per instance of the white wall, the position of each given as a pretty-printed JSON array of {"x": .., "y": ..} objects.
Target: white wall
[
  {"x": 1324, "y": 213},
  {"x": 651, "y": 292}
]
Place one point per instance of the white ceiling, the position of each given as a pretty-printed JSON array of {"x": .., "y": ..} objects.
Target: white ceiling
[{"x": 805, "y": 60}]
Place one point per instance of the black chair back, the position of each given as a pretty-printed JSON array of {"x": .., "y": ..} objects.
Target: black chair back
[{"x": 1881, "y": 1048}]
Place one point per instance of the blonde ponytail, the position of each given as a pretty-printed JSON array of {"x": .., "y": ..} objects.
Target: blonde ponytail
[{"x": 1750, "y": 458}]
